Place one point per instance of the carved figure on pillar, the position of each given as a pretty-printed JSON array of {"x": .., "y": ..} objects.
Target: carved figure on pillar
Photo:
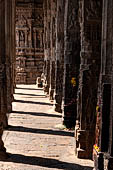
[
  {"x": 22, "y": 39},
  {"x": 37, "y": 40},
  {"x": 17, "y": 38}
]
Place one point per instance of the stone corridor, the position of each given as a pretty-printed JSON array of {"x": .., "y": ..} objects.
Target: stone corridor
[{"x": 35, "y": 140}]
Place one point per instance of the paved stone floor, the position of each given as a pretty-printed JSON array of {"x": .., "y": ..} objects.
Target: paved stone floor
[{"x": 33, "y": 141}]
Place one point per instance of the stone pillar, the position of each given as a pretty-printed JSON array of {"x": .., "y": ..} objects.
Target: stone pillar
[
  {"x": 59, "y": 63},
  {"x": 90, "y": 28},
  {"x": 71, "y": 62},
  {"x": 47, "y": 20},
  {"x": 103, "y": 148},
  {"x": 13, "y": 46},
  {"x": 3, "y": 83},
  {"x": 52, "y": 45},
  {"x": 10, "y": 54}
]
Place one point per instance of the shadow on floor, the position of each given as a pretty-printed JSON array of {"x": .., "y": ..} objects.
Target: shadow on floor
[
  {"x": 29, "y": 94},
  {"x": 40, "y": 131},
  {"x": 24, "y": 88},
  {"x": 38, "y": 114},
  {"x": 32, "y": 102},
  {"x": 45, "y": 162}
]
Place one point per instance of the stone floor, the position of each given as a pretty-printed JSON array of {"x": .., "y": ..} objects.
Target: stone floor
[{"x": 33, "y": 140}]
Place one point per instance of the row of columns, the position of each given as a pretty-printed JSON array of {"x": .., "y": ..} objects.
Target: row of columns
[
  {"x": 78, "y": 71},
  {"x": 103, "y": 160},
  {"x": 81, "y": 91},
  {"x": 62, "y": 56},
  {"x": 72, "y": 31}
]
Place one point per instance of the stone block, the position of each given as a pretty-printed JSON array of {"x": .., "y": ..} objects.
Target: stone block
[
  {"x": 81, "y": 153},
  {"x": 81, "y": 135}
]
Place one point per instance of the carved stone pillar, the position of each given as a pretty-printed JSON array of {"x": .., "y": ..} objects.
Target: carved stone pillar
[
  {"x": 71, "y": 62},
  {"x": 59, "y": 64},
  {"x": 12, "y": 45},
  {"x": 90, "y": 28},
  {"x": 47, "y": 20},
  {"x": 103, "y": 148},
  {"x": 3, "y": 82},
  {"x": 10, "y": 54},
  {"x": 3, "y": 72},
  {"x": 53, "y": 45}
]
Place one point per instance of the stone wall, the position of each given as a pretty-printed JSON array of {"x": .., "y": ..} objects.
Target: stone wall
[{"x": 29, "y": 42}]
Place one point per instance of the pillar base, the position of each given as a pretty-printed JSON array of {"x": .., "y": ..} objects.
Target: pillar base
[
  {"x": 12, "y": 98},
  {"x": 76, "y": 142},
  {"x": 3, "y": 156},
  {"x": 57, "y": 108},
  {"x": 58, "y": 102},
  {"x": 9, "y": 108},
  {"x": 5, "y": 122},
  {"x": 69, "y": 115},
  {"x": 51, "y": 94},
  {"x": 82, "y": 154},
  {"x": 84, "y": 144},
  {"x": 69, "y": 122},
  {"x": 46, "y": 89}
]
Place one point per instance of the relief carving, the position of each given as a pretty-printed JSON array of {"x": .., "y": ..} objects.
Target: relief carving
[
  {"x": 22, "y": 38},
  {"x": 29, "y": 42},
  {"x": 26, "y": 23},
  {"x": 93, "y": 9}
]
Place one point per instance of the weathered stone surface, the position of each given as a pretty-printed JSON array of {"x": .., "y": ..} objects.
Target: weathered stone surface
[
  {"x": 59, "y": 62},
  {"x": 53, "y": 49},
  {"x": 47, "y": 42},
  {"x": 6, "y": 63},
  {"x": 29, "y": 42},
  {"x": 90, "y": 28},
  {"x": 33, "y": 141},
  {"x": 62, "y": 39},
  {"x": 104, "y": 122}
]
